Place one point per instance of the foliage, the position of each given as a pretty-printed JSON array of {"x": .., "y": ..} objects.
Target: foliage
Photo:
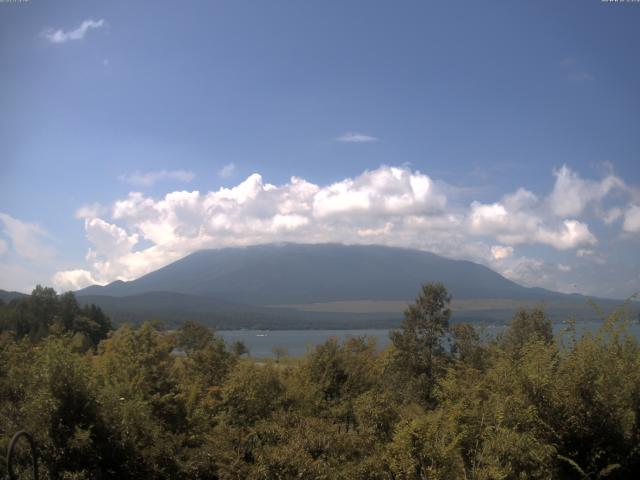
[
  {"x": 439, "y": 403},
  {"x": 418, "y": 347},
  {"x": 43, "y": 313}
]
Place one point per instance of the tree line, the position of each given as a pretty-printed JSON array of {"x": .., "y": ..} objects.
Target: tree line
[{"x": 441, "y": 402}]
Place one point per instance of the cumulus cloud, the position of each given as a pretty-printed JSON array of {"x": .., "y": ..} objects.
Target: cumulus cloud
[
  {"x": 570, "y": 234},
  {"x": 107, "y": 238},
  {"x": 384, "y": 205},
  {"x": 500, "y": 252},
  {"x": 612, "y": 215},
  {"x": 60, "y": 36},
  {"x": 73, "y": 280},
  {"x": 395, "y": 206},
  {"x": 631, "y": 222},
  {"x": 572, "y": 194},
  {"x": 148, "y": 179},
  {"x": 527, "y": 271},
  {"x": 227, "y": 171},
  {"x": 355, "y": 137},
  {"x": 517, "y": 219},
  {"x": 393, "y": 191},
  {"x": 26, "y": 238}
]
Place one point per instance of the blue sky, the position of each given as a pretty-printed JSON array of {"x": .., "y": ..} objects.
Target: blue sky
[{"x": 473, "y": 129}]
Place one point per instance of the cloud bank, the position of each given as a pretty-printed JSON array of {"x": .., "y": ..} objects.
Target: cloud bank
[{"x": 389, "y": 205}]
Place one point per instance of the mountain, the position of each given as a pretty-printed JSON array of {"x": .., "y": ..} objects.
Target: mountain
[
  {"x": 6, "y": 296},
  {"x": 298, "y": 273},
  {"x": 174, "y": 308},
  {"x": 301, "y": 285}
]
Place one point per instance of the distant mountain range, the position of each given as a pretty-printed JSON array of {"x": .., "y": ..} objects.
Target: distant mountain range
[
  {"x": 319, "y": 286},
  {"x": 6, "y": 296}
]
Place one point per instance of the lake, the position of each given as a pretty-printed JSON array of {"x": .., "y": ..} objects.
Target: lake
[{"x": 298, "y": 342}]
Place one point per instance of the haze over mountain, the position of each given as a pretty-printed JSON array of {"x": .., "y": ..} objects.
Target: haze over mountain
[
  {"x": 6, "y": 296},
  {"x": 296, "y": 285},
  {"x": 305, "y": 273}
]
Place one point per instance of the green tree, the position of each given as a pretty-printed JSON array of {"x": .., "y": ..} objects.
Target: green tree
[
  {"x": 418, "y": 349},
  {"x": 251, "y": 393},
  {"x": 527, "y": 326},
  {"x": 467, "y": 347},
  {"x": 193, "y": 336}
]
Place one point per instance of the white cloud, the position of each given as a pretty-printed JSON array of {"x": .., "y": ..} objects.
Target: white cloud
[
  {"x": 500, "y": 252},
  {"x": 355, "y": 137},
  {"x": 60, "y": 36},
  {"x": 148, "y": 179},
  {"x": 387, "y": 190},
  {"x": 570, "y": 234},
  {"x": 227, "y": 171},
  {"x": 527, "y": 271},
  {"x": 91, "y": 211},
  {"x": 376, "y": 232},
  {"x": 353, "y": 210},
  {"x": 572, "y": 194},
  {"x": 611, "y": 215},
  {"x": 394, "y": 206},
  {"x": 591, "y": 255},
  {"x": 26, "y": 238},
  {"x": 632, "y": 219},
  {"x": 72, "y": 280},
  {"x": 3, "y": 247},
  {"x": 108, "y": 239},
  {"x": 516, "y": 221}
]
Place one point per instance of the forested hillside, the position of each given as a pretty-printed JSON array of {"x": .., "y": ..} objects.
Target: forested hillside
[{"x": 439, "y": 403}]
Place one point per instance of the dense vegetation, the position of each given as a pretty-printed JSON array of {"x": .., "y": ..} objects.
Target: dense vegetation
[{"x": 439, "y": 403}]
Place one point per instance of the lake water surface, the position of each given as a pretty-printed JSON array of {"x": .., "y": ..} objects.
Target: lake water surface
[{"x": 297, "y": 342}]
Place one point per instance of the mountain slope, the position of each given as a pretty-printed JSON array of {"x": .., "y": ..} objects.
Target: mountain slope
[
  {"x": 294, "y": 286},
  {"x": 6, "y": 296},
  {"x": 302, "y": 274},
  {"x": 174, "y": 308}
]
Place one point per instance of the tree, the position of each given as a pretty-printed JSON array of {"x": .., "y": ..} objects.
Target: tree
[
  {"x": 526, "y": 327},
  {"x": 279, "y": 352},
  {"x": 193, "y": 336},
  {"x": 426, "y": 447},
  {"x": 251, "y": 393},
  {"x": 467, "y": 347},
  {"x": 239, "y": 348},
  {"x": 44, "y": 313},
  {"x": 418, "y": 346}
]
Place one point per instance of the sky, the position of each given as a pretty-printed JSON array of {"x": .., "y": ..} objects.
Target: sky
[{"x": 506, "y": 133}]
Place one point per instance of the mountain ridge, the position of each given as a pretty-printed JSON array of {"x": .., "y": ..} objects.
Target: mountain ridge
[
  {"x": 310, "y": 273},
  {"x": 291, "y": 286}
]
